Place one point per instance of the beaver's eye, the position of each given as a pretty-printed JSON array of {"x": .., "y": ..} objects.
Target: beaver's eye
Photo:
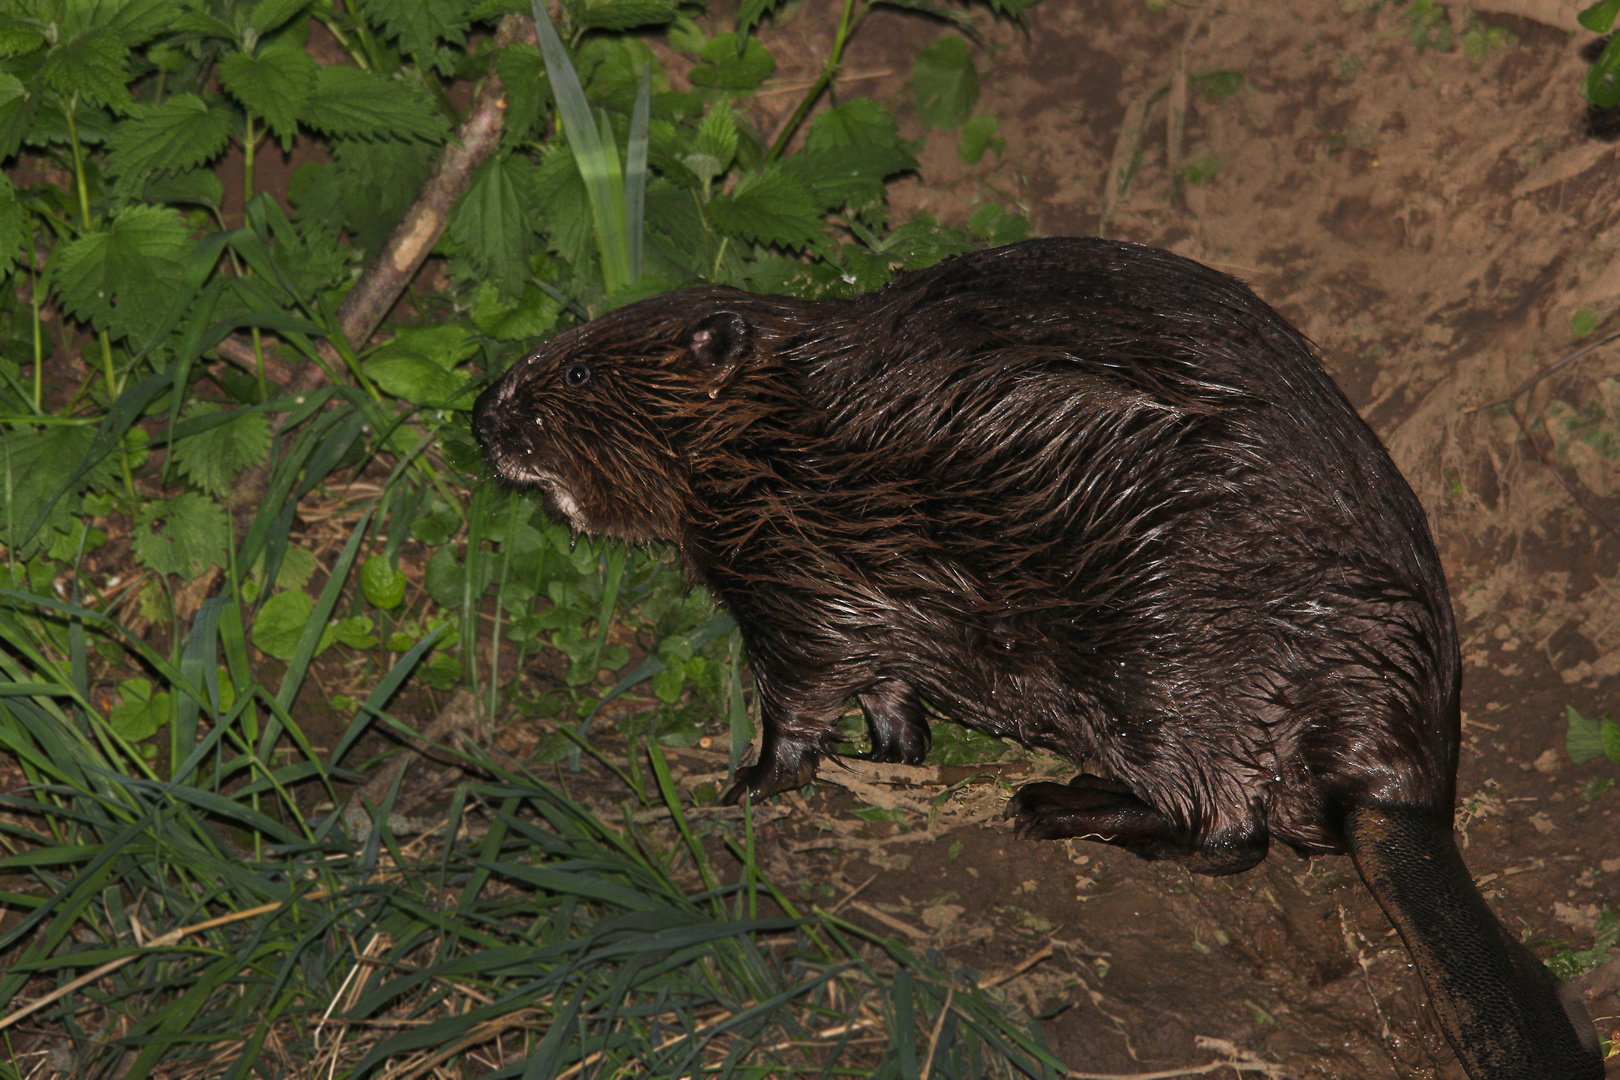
[{"x": 577, "y": 375}]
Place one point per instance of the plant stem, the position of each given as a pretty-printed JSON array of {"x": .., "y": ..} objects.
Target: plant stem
[
  {"x": 78, "y": 160},
  {"x": 39, "y": 343},
  {"x": 247, "y": 163},
  {"x": 853, "y": 14}
]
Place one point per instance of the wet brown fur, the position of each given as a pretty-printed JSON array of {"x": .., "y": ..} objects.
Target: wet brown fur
[{"x": 1082, "y": 494}]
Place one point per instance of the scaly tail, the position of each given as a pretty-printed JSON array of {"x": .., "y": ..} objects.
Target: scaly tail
[{"x": 1499, "y": 1006}]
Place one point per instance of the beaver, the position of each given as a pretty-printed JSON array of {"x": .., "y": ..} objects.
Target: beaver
[{"x": 1084, "y": 494}]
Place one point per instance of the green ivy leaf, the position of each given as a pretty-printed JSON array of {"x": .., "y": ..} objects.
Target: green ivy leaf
[
  {"x": 348, "y": 102},
  {"x": 770, "y": 206},
  {"x": 184, "y": 535},
  {"x": 212, "y": 459},
  {"x": 121, "y": 280},
  {"x": 945, "y": 83},
  {"x": 276, "y": 85},
  {"x": 93, "y": 65},
  {"x": 726, "y": 70},
  {"x": 382, "y": 583},
  {"x": 177, "y": 135},
  {"x": 140, "y": 713}
]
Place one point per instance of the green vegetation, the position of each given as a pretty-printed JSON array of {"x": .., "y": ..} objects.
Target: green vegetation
[{"x": 243, "y": 538}]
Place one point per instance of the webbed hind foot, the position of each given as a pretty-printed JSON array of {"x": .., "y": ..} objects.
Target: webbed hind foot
[{"x": 1093, "y": 808}]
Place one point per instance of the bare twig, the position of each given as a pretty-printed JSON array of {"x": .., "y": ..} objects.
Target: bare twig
[{"x": 1543, "y": 373}]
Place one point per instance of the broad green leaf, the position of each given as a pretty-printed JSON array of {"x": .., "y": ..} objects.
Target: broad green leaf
[
  {"x": 489, "y": 226},
  {"x": 978, "y": 134},
  {"x": 945, "y": 83},
  {"x": 351, "y": 103},
  {"x": 446, "y": 344},
  {"x": 523, "y": 78},
  {"x": 184, "y": 535},
  {"x": 445, "y": 578},
  {"x": 280, "y": 623},
  {"x": 140, "y": 713},
  {"x": 212, "y": 459},
  {"x": 715, "y": 145},
  {"x": 200, "y": 187},
  {"x": 624, "y": 14},
  {"x": 122, "y": 280},
  {"x": 276, "y": 85},
  {"x": 749, "y": 12},
  {"x": 177, "y": 135},
  {"x": 1220, "y": 85},
  {"x": 724, "y": 69},
  {"x": 1599, "y": 18},
  {"x": 862, "y": 124},
  {"x": 365, "y": 189},
  {"x": 382, "y": 583},
  {"x": 995, "y": 224},
  {"x": 93, "y": 65},
  {"x": 770, "y": 207},
  {"x": 355, "y": 632},
  {"x": 414, "y": 379},
  {"x": 921, "y": 242},
  {"x": 134, "y": 21},
  {"x": 1609, "y": 735},
  {"x": 1583, "y": 738},
  {"x": 18, "y": 36}
]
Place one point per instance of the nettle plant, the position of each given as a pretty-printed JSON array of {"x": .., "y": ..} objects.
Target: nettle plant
[{"x": 161, "y": 439}]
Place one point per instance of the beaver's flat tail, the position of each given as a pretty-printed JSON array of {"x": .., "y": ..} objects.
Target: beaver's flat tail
[{"x": 1500, "y": 1007}]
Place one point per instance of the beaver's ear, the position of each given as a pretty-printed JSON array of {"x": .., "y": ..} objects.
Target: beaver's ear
[{"x": 718, "y": 345}]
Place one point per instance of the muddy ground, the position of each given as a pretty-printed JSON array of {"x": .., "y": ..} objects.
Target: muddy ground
[{"x": 1434, "y": 220}]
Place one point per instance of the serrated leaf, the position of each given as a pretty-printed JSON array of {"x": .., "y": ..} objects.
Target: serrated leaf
[
  {"x": 489, "y": 225},
  {"x": 532, "y": 316},
  {"x": 992, "y": 222},
  {"x": 184, "y": 535},
  {"x": 267, "y": 15},
  {"x": 420, "y": 25},
  {"x": 523, "y": 78},
  {"x": 135, "y": 21},
  {"x": 298, "y": 566},
  {"x": 18, "y": 37},
  {"x": 196, "y": 188},
  {"x": 446, "y": 344},
  {"x": 726, "y": 70},
  {"x": 749, "y": 12},
  {"x": 945, "y": 83},
  {"x": 177, "y": 135},
  {"x": 716, "y": 139},
  {"x": 355, "y": 632},
  {"x": 13, "y": 226},
  {"x": 275, "y": 85},
  {"x": 770, "y": 207},
  {"x": 922, "y": 241},
  {"x": 625, "y": 14},
  {"x": 93, "y": 65},
  {"x": 140, "y": 713},
  {"x": 33, "y": 469},
  {"x": 17, "y": 108},
  {"x": 351, "y": 103},
  {"x": 212, "y": 459},
  {"x": 122, "y": 280},
  {"x": 978, "y": 134}
]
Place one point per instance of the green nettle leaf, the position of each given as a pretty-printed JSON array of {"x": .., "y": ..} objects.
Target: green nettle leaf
[
  {"x": 280, "y": 623},
  {"x": 531, "y": 316},
  {"x": 382, "y": 583},
  {"x": 625, "y": 14},
  {"x": 298, "y": 566},
  {"x": 184, "y": 535},
  {"x": 34, "y": 467},
  {"x": 276, "y": 85},
  {"x": 725, "y": 70},
  {"x": 995, "y": 224},
  {"x": 177, "y": 135},
  {"x": 419, "y": 25},
  {"x": 199, "y": 187},
  {"x": 770, "y": 207},
  {"x": 267, "y": 15},
  {"x": 419, "y": 364},
  {"x": 357, "y": 104},
  {"x": 715, "y": 145},
  {"x": 18, "y": 37},
  {"x": 523, "y": 77},
  {"x": 93, "y": 65},
  {"x": 121, "y": 280},
  {"x": 17, "y": 109},
  {"x": 488, "y": 224},
  {"x": 212, "y": 459},
  {"x": 848, "y": 152},
  {"x": 13, "y": 226},
  {"x": 945, "y": 83},
  {"x": 141, "y": 713}
]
